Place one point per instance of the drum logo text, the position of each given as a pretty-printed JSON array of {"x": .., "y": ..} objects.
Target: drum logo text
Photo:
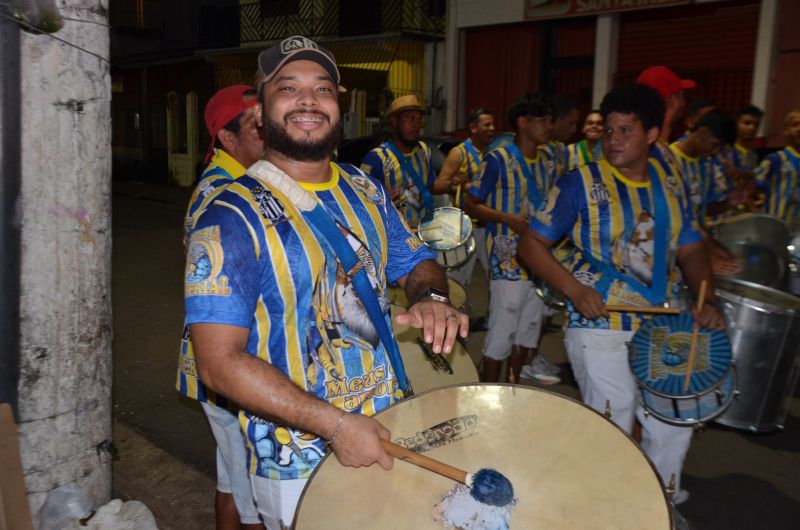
[
  {"x": 669, "y": 352},
  {"x": 444, "y": 433}
]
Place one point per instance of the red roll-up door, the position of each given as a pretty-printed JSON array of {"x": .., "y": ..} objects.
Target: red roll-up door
[
  {"x": 502, "y": 63},
  {"x": 714, "y": 44}
]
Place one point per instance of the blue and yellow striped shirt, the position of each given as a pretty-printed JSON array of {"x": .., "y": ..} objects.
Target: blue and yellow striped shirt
[
  {"x": 779, "y": 176},
  {"x": 504, "y": 187},
  {"x": 558, "y": 154},
  {"x": 382, "y": 165},
  {"x": 254, "y": 262},
  {"x": 611, "y": 221},
  {"x": 222, "y": 170},
  {"x": 579, "y": 154}
]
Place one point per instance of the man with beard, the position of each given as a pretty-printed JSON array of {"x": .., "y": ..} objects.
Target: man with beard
[
  {"x": 403, "y": 163},
  {"x": 273, "y": 265},
  {"x": 631, "y": 223}
]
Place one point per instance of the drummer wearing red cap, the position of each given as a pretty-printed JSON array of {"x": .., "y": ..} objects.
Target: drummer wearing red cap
[
  {"x": 236, "y": 144},
  {"x": 671, "y": 88},
  {"x": 231, "y": 117}
]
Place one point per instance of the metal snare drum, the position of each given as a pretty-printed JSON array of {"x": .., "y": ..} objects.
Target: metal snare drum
[
  {"x": 658, "y": 354},
  {"x": 758, "y": 241},
  {"x": 764, "y": 328},
  {"x": 448, "y": 231}
]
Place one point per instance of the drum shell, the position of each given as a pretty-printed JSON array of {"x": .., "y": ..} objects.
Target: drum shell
[
  {"x": 759, "y": 243},
  {"x": 764, "y": 329}
]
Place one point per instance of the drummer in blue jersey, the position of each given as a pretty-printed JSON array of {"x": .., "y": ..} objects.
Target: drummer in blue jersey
[
  {"x": 231, "y": 118},
  {"x": 565, "y": 123},
  {"x": 403, "y": 163},
  {"x": 632, "y": 226},
  {"x": 461, "y": 169},
  {"x": 513, "y": 181},
  {"x": 778, "y": 175},
  {"x": 285, "y": 290},
  {"x": 709, "y": 189}
]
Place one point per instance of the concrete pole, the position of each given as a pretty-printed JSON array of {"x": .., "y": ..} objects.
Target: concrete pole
[
  {"x": 65, "y": 308},
  {"x": 764, "y": 62},
  {"x": 605, "y": 56}
]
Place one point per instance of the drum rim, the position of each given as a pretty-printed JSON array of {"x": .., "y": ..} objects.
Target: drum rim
[
  {"x": 750, "y": 302},
  {"x": 653, "y": 469},
  {"x": 700, "y": 421},
  {"x": 430, "y": 216}
]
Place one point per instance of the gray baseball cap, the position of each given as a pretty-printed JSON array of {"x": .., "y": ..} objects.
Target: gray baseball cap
[{"x": 295, "y": 48}]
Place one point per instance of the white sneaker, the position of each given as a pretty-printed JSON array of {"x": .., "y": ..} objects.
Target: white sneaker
[
  {"x": 533, "y": 372},
  {"x": 680, "y": 496},
  {"x": 543, "y": 365}
]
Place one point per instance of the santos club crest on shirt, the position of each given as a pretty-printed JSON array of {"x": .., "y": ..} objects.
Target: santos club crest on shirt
[{"x": 268, "y": 205}]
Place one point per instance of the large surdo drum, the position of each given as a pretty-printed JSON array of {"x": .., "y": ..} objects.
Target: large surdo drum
[{"x": 570, "y": 467}]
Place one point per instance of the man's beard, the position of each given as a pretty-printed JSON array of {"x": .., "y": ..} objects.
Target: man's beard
[{"x": 307, "y": 150}]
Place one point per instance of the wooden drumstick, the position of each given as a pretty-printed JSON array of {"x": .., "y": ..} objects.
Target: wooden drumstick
[
  {"x": 643, "y": 309},
  {"x": 486, "y": 485},
  {"x": 695, "y": 334},
  {"x": 458, "y": 196}
]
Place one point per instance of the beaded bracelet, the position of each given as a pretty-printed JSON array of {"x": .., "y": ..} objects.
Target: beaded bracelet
[{"x": 329, "y": 443}]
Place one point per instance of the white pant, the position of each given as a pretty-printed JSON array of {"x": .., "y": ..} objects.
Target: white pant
[
  {"x": 277, "y": 500},
  {"x": 515, "y": 317},
  {"x": 599, "y": 361}
]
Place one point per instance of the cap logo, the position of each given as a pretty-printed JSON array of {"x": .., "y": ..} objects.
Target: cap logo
[{"x": 297, "y": 43}]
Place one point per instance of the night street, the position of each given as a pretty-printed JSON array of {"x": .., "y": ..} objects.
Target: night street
[{"x": 736, "y": 480}]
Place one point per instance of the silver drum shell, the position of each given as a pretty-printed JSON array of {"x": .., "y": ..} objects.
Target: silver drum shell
[{"x": 764, "y": 330}]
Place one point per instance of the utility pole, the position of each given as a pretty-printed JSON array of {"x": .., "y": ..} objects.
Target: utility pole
[{"x": 64, "y": 398}]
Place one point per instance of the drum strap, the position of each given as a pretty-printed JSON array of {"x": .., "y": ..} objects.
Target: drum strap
[
  {"x": 407, "y": 167},
  {"x": 326, "y": 225},
  {"x": 656, "y": 293},
  {"x": 533, "y": 189},
  {"x": 586, "y": 156}
]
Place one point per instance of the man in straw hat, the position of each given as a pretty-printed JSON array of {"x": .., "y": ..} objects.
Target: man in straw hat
[
  {"x": 285, "y": 290},
  {"x": 403, "y": 163}
]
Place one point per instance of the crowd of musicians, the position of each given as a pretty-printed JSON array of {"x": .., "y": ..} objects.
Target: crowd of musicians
[{"x": 287, "y": 339}]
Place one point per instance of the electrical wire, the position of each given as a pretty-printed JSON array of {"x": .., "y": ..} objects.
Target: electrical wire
[{"x": 27, "y": 25}]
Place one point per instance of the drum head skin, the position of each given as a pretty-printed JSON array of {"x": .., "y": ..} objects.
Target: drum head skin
[
  {"x": 570, "y": 467},
  {"x": 659, "y": 352},
  {"x": 445, "y": 228}
]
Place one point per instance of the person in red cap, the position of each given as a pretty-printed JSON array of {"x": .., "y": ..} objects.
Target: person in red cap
[
  {"x": 231, "y": 118},
  {"x": 671, "y": 88}
]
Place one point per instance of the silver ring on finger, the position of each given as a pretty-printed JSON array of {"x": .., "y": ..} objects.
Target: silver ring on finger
[{"x": 449, "y": 316}]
